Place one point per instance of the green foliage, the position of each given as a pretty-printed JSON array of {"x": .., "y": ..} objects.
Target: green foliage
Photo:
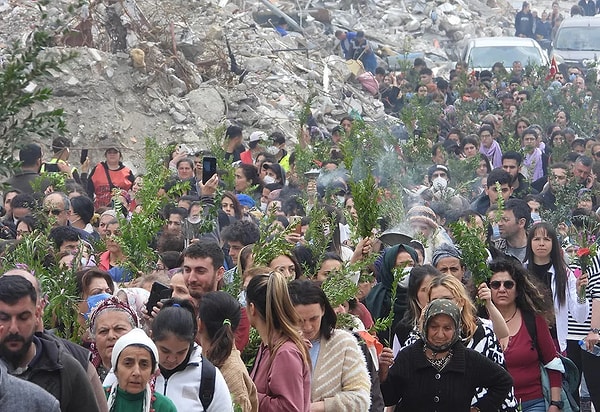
[
  {"x": 251, "y": 349},
  {"x": 366, "y": 202},
  {"x": 319, "y": 233},
  {"x": 272, "y": 243},
  {"x": 566, "y": 200},
  {"x": 468, "y": 238},
  {"x": 138, "y": 233},
  {"x": 386, "y": 323},
  {"x": 339, "y": 286},
  {"x": 59, "y": 284},
  {"x": 19, "y": 122}
]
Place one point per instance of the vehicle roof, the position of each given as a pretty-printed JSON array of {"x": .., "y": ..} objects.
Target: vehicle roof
[
  {"x": 501, "y": 41},
  {"x": 581, "y": 21}
]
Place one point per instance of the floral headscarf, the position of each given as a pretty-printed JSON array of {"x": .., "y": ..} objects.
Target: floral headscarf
[{"x": 441, "y": 307}]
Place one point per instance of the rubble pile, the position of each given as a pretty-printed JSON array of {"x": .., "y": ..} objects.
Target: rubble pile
[{"x": 163, "y": 68}]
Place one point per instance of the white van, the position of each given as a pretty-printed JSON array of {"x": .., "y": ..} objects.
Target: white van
[{"x": 577, "y": 42}]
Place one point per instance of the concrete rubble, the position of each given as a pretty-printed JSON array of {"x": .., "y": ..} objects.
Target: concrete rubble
[{"x": 162, "y": 69}]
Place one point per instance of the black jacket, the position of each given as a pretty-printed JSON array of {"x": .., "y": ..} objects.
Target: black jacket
[
  {"x": 419, "y": 387},
  {"x": 62, "y": 376}
]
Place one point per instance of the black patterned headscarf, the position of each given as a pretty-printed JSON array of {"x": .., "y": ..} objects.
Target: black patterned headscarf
[{"x": 441, "y": 307}]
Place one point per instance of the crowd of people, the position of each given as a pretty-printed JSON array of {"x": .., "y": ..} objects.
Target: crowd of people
[{"x": 215, "y": 323}]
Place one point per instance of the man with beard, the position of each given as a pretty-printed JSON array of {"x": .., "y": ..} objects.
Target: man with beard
[
  {"x": 511, "y": 162},
  {"x": 36, "y": 360},
  {"x": 202, "y": 272}
]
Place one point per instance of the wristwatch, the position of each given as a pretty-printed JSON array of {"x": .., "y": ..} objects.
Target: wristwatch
[
  {"x": 595, "y": 330},
  {"x": 558, "y": 404}
]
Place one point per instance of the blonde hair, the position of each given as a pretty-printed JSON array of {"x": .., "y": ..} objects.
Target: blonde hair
[
  {"x": 269, "y": 295},
  {"x": 468, "y": 312}
]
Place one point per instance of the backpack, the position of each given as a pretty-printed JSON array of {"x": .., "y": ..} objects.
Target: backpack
[
  {"x": 571, "y": 378},
  {"x": 207, "y": 383}
]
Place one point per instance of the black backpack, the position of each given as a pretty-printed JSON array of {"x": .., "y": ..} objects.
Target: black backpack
[{"x": 207, "y": 383}]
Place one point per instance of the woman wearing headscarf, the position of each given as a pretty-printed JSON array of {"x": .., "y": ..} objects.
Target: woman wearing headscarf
[
  {"x": 135, "y": 361},
  {"x": 438, "y": 373},
  {"x": 109, "y": 320}
]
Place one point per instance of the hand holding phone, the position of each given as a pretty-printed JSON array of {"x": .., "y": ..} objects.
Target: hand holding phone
[
  {"x": 158, "y": 292},
  {"x": 209, "y": 168}
]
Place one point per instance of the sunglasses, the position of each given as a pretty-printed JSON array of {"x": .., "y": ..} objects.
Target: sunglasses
[
  {"x": 596, "y": 154},
  {"x": 508, "y": 284},
  {"x": 54, "y": 212}
]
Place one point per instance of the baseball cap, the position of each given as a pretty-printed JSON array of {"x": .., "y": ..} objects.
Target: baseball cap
[{"x": 257, "y": 136}]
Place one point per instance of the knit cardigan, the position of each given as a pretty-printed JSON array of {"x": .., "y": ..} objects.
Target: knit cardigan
[
  {"x": 238, "y": 380},
  {"x": 340, "y": 377}
]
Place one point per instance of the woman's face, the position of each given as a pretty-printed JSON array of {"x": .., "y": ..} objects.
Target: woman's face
[
  {"x": 134, "y": 369},
  {"x": 585, "y": 203},
  {"x": 470, "y": 150},
  {"x": 561, "y": 119},
  {"x": 422, "y": 293},
  {"x": 97, "y": 286},
  {"x": 7, "y": 199},
  {"x": 272, "y": 174},
  {"x": 486, "y": 139},
  {"x": 482, "y": 168},
  {"x": 521, "y": 126},
  {"x": 102, "y": 226},
  {"x": 541, "y": 244},
  {"x": 137, "y": 184},
  {"x": 441, "y": 292},
  {"x": 504, "y": 291},
  {"x": 311, "y": 316},
  {"x": 241, "y": 183},
  {"x": 350, "y": 208},
  {"x": 110, "y": 326},
  {"x": 23, "y": 229},
  {"x": 328, "y": 266},
  {"x": 227, "y": 206},
  {"x": 285, "y": 265},
  {"x": 440, "y": 330},
  {"x": 172, "y": 351},
  {"x": 558, "y": 140},
  {"x": 112, "y": 230},
  {"x": 422, "y": 91}
]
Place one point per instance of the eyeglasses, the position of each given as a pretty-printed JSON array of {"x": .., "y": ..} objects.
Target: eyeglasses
[{"x": 508, "y": 284}]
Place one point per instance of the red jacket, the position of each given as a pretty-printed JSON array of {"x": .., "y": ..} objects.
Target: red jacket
[{"x": 99, "y": 187}]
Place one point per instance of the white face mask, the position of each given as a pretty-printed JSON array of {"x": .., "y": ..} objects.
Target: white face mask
[
  {"x": 272, "y": 150},
  {"x": 340, "y": 200},
  {"x": 268, "y": 179},
  {"x": 439, "y": 183},
  {"x": 263, "y": 207},
  {"x": 194, "y": 219}
]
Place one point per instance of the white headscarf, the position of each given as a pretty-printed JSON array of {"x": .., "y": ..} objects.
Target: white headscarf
[{"x": 133, "y": 337}]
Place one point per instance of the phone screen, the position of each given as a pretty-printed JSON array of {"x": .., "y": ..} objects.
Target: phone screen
[{"x": 209, "y": 168}]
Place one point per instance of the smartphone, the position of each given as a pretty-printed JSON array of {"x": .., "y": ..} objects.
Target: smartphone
[
  {"x": 158, "y": 292},
  {"x": 84, "y": 155},
  {"x": 296, "y": 222},
  {"x": 209, "y": 168}
]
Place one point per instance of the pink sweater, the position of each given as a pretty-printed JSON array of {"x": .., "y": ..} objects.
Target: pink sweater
[{"x": 284, "y": 383}]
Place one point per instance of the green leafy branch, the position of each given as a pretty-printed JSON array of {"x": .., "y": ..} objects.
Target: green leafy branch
[{"x": 468, "y": 238}]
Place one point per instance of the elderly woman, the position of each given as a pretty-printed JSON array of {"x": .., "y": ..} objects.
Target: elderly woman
[
  {"x": 109, "y": 320},
  {"x": 439, "y": 373},
  {"x": 135, "y": 360}
]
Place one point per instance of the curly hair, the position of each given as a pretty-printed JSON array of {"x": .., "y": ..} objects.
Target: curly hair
[{"x": 530, "y": 297}]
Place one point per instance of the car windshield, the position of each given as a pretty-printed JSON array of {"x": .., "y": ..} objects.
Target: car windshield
[
  {"x": 486, "y": 56},
  {"x": 578, "y": 38}
]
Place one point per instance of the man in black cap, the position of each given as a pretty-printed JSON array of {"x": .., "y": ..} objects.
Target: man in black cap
[{"x": 233, "y": 143}]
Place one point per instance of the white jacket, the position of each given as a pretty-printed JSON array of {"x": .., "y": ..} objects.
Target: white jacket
[
  {"x": 578, "y": 311},
  {"x": 183, "y": 387}
]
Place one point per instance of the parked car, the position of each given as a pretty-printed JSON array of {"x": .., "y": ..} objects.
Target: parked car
[
  {"x": 577, "y": 42},
  {"x": 481, "y": 53}
]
